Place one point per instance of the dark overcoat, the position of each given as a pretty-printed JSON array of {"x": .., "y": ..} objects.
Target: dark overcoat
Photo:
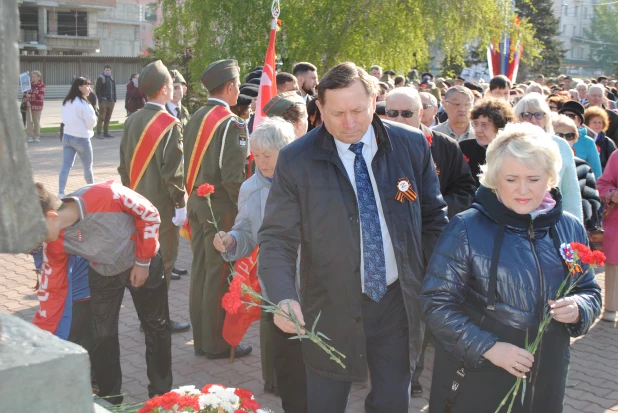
[{"x": 312, "y": 204}]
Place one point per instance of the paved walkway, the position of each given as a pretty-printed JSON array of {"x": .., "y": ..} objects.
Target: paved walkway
[
  {"x": 593, "y": 380},
  {"x": 52, "y": 117}
]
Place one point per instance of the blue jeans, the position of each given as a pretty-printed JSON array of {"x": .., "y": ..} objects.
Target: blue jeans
[{"x": 71, "y": 146}]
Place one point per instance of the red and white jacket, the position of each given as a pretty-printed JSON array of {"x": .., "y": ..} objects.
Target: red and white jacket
[
  {"x": 118, "y": 228},
  {"x": 36, "y": 95}
]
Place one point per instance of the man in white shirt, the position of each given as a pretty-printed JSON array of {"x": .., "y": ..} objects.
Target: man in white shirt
[{"x": 174, "y": 106}]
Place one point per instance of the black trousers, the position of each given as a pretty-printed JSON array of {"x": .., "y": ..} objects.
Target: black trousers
[
  {"x": 386, "y": 332},
  {"x": 289, "y": 370},
  {"x": 152, "y": 309},
  {"x": 82, "y": 327}
]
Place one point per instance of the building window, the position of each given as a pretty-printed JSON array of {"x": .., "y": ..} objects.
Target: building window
[
  {"x": 73, "y": 23},
  {"x": 566, "y": 10},
  {"x": 151, "y": 12},
  {"x": 575, "y": 13}
]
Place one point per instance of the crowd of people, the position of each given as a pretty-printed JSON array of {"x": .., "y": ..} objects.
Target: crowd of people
[{"x": 400, "y": 210}]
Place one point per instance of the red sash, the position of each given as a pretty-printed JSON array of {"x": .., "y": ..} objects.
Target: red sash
[
  {"x": 207, "y": 130},
  {"x": 209, "y": 125},
  {"x": 154, "y": 131}
]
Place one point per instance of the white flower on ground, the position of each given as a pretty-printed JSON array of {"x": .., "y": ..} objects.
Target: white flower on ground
[
  {"x": 187, "y": 391},
  {"x": 206, "y": 400},
  {"x": 215, "y": 389}
]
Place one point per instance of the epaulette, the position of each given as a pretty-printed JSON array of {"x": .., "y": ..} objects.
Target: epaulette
[{"x": 241, "y": 124}]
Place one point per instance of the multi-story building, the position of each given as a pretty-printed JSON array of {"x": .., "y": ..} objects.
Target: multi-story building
[
  {"x": 78, "y": 27},
  {"x": 576, "y": 17}
]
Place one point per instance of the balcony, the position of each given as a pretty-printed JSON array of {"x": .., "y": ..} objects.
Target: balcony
[{"x": 72, "y": 43}]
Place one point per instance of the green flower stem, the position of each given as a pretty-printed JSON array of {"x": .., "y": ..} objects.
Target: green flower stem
[
  {"x": 271, "y": 307},
  {"x": 547, "y": 319}
]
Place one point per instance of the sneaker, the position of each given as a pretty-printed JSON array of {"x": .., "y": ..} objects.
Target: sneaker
[
  {"x": 37, "y": 140},
  {"x": 107, "y": 135},
  {"x": 609, "y": 316},
  {"x": 30, "y": 140},
  {"x": 99, "y": 136}
]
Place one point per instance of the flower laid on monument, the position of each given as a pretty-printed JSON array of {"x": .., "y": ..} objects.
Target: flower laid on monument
[
  {"x": 576, "y": 256},
  {"x": 240, "y": 293},
  {"x": 213, "y": 398}
]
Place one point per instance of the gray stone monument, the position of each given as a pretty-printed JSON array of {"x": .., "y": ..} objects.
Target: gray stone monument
[{"x": 40, "y": 372}]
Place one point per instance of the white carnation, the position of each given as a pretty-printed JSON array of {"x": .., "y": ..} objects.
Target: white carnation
[
  {"x": 187, "y": 391},
  {"x": 215, "y": 389},
  {"x": 206, "y": 400}
]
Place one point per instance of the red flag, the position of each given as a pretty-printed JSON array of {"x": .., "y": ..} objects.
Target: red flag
[
  {"x": 236, "y": 325},
  {"x": 268, "y": 82}
]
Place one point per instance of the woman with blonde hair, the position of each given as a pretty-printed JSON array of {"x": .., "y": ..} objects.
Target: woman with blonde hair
[
  {"x": 495, "y": 268},
  {"x": 533, "y": 109}
]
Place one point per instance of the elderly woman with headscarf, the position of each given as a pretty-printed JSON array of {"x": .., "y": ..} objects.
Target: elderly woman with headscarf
[
  {"x": 282, "y": 362},
  {"x": 533, "y": 108},
  {"x": 494, "y": 270}
]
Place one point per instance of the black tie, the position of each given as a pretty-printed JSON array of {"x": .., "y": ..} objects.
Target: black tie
[{"x": 177, "y": 112}]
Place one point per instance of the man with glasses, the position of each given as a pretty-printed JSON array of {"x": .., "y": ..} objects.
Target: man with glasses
[
  {"x": 582, "y": 91},
  {"x": 457, "y": 105},
  {"x": 596, "y": 96},
  {"x": 430, "y": 109},
  {"x": 404, "y": 105}
]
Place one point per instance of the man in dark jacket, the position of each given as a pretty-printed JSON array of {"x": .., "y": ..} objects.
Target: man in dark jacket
[
  {"x": 106, "y": 93},
  {"x": 457, "y": 186},
  {"x": 365, "y": 234}
]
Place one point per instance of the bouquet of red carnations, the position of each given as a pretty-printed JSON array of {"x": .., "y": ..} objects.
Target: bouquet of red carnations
[{"x": 213, "y": 398}]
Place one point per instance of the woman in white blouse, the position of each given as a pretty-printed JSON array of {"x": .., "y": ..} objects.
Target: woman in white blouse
[{"x": 79, "y": 119}]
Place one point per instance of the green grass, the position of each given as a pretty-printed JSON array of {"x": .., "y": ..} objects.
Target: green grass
[{"x": 114, "y": 125}]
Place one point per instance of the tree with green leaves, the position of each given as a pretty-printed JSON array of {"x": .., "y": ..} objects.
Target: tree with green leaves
[
  {"x": 394, "y": 34},
  {"x": 547, "y": 26},
  {"x": 603, "y": 37}
]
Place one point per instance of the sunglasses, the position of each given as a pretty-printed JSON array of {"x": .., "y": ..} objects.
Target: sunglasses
[
  {"x": 392, "y": 113},
  {"x": 568, "y": 136},
  {"x": 427, "y": 106},
  {"x": 529, "y": 115}
]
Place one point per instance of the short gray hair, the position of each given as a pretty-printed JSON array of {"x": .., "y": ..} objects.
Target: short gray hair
[
  {"x": 407, "y": 91},
  {"x": 532, "y": 86},
  {"x": 273, "y": 133},
  {"x": 599, "y": 87},
  {"x": 529, "y": 145},
  {"x": 36, "y": 73},
  {"x": 459, "y": 89},
  {"x": 429, "y": 96},
  {"x": 534, "y": 102},
  {"x": 564, "y": 121},
  {"x": 581, "y": 84}
]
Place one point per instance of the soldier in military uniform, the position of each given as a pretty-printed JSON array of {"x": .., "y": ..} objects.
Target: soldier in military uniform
[
  {"x": 215, "y": 152},
  {"x": 174, "y": 105},
  {"x": 176, "y": 108},
  {"x": 151, "y": 162}
]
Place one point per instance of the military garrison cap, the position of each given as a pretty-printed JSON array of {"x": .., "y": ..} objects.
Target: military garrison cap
[
  {"x": 219, "y": 72},
  {"x": 254, "y": 81},
  {"x": 243, "y": 100},
  {"x": 177, "y": 77},
  {"x": 282, "y": 102},
  {"x": 249, "y": 89},
  {"x": 153, "y": 77}
]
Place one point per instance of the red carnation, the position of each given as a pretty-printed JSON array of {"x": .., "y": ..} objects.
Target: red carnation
[
  {"x": 149, "y": 406},
  {"x": 581, "y": 249},
  {"x": 466, "y": 158},
  {"x": 188, "y": 401},
  {"x": 205, "y": 190},
  {"x": 236, "y": 285},
  {"x": 169, "y": 400},
  {"x": 599, "y": 148},
  {"x": 429, "y": 138},
  {"x": 250, "y": 404},
  {"x": 208, "y": 386},
  {"x": 243, "y": 393},
  {"x": 594, "y": 258},
  {"x": 231, "y": 303}
]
